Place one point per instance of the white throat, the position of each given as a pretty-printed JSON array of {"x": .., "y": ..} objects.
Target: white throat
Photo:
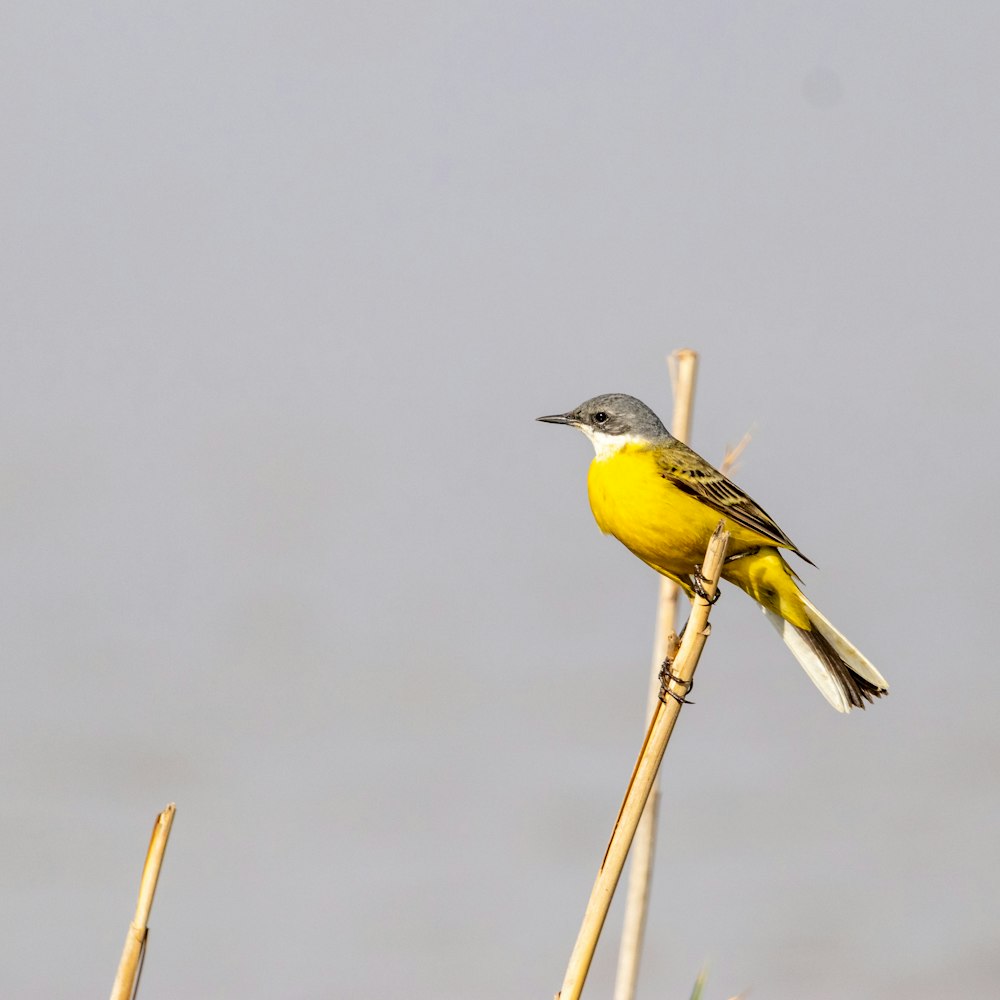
[{"x": 608, "y": 445}]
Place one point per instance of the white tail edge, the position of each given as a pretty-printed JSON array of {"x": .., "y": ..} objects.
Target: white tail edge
[{"x": 842, "y": 673}]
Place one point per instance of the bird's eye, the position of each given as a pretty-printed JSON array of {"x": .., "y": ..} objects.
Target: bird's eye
[{"x": 600, "y": 417}]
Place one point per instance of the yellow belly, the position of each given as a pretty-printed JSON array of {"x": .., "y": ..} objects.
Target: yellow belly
[{"x": 669, "y": 530}]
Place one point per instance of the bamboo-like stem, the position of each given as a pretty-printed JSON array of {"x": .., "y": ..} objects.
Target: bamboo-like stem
[
  {"x": 683, "y": 368},
  {"x": 135, "y": 938},
  {"x": 644, "y": 774}
]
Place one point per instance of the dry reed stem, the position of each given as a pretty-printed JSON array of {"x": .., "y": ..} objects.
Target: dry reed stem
[
  {"x": 683, "y": 368},
  {"x": 644, "y": 774},
  {"x": 135, "y": 938},
  {"x": 734, "y": 454}
]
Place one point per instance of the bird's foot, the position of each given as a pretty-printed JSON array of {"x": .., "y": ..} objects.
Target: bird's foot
[
  {"x": 667, "y": 678},
  {"x": 698, "y": 581},
  {"x": 743, "y": 554}
]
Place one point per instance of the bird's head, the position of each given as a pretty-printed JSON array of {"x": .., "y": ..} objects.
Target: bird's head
[{"x": 612, "y": 421}]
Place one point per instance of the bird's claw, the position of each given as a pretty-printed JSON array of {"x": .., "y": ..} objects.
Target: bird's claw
[
  {"x": 668, "y": 677},
  {"x": 698, "y": 581}
]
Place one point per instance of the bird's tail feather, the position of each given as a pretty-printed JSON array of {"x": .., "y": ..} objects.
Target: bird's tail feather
[{"x": 844, "y": 676}]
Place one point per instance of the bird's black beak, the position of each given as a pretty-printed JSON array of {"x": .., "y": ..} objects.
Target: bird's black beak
[{"x": 557, "y": 418}]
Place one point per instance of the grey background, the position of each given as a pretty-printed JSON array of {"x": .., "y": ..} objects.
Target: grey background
[{"x": 283, "y": 288}]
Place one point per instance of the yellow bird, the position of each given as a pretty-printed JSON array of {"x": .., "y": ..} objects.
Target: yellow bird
[{"x": 662, "y": 501}]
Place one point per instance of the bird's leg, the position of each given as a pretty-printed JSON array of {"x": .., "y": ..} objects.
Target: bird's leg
[
  {"x": 697, "y": 585},
  {"x": 668, "y": 677},
  {"x": 743, "y": 554}
]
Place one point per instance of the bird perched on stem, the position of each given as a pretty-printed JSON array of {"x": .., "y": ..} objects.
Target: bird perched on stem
[{"x": 662, "y": 501}]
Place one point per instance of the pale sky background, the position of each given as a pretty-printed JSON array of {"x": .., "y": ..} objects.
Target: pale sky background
[{"x": 283, "y": 289}]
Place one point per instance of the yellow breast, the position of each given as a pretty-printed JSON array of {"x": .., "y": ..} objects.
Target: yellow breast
[
  {"x": 669, "y": 530},
  {"x": 648, "y": 514}
]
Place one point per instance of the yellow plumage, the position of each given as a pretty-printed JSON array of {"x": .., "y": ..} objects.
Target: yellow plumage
[
  {"x": 663, "y": 501},
  {"x": 668, "y": 530}
]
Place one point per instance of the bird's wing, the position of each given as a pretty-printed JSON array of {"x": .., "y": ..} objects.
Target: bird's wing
[{"x": 691, "y": 474}]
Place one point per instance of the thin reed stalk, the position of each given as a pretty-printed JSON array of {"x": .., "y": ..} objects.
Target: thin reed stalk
[
  {"x": 683, "y": 368},
  {"x": 135, "y": 938},
  {"x": 644, "y": 774}
]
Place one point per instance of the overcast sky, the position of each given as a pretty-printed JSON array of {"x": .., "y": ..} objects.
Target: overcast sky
[{"x": 282, "y": 289}]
